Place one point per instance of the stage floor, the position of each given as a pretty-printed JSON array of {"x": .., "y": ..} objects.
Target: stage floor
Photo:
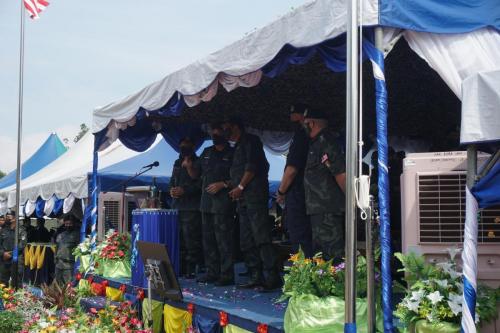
[{"x": 252, "y": 305}]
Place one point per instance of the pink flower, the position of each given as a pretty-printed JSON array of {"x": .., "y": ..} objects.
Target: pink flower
[
  {"x": 93, "y": 310},
  {"x": 121, "y": 253}
]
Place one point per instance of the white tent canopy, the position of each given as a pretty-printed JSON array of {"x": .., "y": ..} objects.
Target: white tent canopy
[
  {"x": 68, "y": 174},
  {"x": 454, "y": 57}
]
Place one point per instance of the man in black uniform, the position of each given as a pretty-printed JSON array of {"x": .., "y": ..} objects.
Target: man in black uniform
[
  {"x": 250, "y": 188},
  {"x": 185, "y": 190},
  {"x": 40, "y": 233},
  {"x": 324, "y": 183},
  {"x": 291, "y": 190},
  {"x": 217, "y": 209}
]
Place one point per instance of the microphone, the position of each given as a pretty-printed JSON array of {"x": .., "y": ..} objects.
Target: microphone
[{"x": 152, "y": 165}]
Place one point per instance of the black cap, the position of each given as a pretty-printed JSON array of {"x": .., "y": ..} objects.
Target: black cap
[
  {"x": 299, "y": 108},
  {"x": 313, "y": 113}
]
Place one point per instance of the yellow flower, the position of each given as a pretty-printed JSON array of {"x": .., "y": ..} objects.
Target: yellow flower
[
  {"x": 332, "y": 269},
  {"x": 319, "y": 261},
  {"x": 307, "y": 261},
  {"x": 294, "y": 257},
  {"x": 52, "y": 318},
  {"x": 71, "y": 321},
  {"x": 51, "y": 329},
  {"x": 2, "y": 285},
  {"x": 5, "y": 296},
  {"x": 97, "y": 321}
]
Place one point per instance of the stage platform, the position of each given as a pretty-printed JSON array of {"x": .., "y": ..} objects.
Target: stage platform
[{"x": 245, "y": 308}]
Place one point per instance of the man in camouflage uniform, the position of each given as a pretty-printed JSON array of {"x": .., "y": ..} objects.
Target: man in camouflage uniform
[
  {"x": 185, "y": 190},
  {"x": 324, "y": 182},
  {"x": 250, "y": 188},
  {"x": 7, "y": 238},
  {"x": 66, "y": 242},
  {"x": 217, "y": 210}
]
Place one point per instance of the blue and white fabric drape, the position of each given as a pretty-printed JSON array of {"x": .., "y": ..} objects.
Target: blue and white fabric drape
[{"x": 469, "y": 259}]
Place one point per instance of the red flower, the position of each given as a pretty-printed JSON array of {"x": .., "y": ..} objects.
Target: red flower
[
  {"x": 78, "y": 276},
  {"x": 140, "y": 294},
  {"x": 123, "y": 320},
  {"x": 105, "y": 283},
  {"x": 93, "y": 310},
  {"x": 111, "y": 254},
  {"x": 190, "y": 308},
  {"x": 262, "y": 328},
  {"x": 121, "y": 253},
  {"x": 135, "y": 321},
  {"x": 91, "y": 278},
  {"x": 223, "y": 319},
  {"x": 123, "y": 288}
]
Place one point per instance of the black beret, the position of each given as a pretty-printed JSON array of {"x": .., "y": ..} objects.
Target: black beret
[{"x": 313, "y": 113}]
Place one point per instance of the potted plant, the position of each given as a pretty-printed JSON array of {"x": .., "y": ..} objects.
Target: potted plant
[
  {"x": 315, "y": 289},
  {"x": 114, "y": 255},
  {"x": 84, "y": 253},
  {"x": 433, "y": 298}
]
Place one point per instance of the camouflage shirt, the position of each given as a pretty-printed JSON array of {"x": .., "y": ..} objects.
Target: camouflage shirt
[
  {"x": 7, "y": 241},
  {"x": 249, "y": 156},
  {"x": 66, "y": 242},
  {"x": 215, "y": 167},
  {"x": 323, "y": 194},
  {"x": 192, "y": 187}
]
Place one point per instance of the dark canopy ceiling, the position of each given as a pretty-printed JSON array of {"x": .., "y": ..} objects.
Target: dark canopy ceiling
[{"x": 420, "y": 103}]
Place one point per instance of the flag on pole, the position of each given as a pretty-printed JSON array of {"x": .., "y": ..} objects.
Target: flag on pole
[{"x": 34, "y": 7}]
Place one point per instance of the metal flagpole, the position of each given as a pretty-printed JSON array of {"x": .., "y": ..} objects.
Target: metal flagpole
[
  {"x": 19, "y": 142},
  {"x": 351, "y": 167}
]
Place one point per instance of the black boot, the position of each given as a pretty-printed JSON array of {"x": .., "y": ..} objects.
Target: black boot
[
  {"x": 207, "y": 279},
  {"x": 224, "y": 281},
  {"x": 273, "y": 281},
  {"x": 255, "y": 280}
]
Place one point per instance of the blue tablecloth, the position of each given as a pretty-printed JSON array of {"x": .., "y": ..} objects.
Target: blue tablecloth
[{"x": 157, "y": 226}]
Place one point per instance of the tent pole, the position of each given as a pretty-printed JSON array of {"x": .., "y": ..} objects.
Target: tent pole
[
  {"x": 471, "y": 165},
  {"x": 351, "y": 165},
  {"x": 19, "y": 143}
]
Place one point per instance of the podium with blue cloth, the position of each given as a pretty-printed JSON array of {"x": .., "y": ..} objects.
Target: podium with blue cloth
[{"x": 156, "y": 226}]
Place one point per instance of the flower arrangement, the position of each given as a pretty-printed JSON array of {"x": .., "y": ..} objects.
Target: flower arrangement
[
  {"x": 315, "y": 276},
  {"x": 84, "y": 248},
  {"x": 434, "y": 293},
  {"x": 115, "y": 246}
]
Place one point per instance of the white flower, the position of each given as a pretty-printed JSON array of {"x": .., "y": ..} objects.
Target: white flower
[
  {"x": 452, "y": 252},
  {"x": 412, "y": 305},
  {"x": 430, "y": 317},
  {"x": 435, "y": 297},
  {"x": 456, "y": 308},
  {"x": 417, "y": 295},
  {"x": 442, "y": 283},
  {"x": 455, "y": 298}
]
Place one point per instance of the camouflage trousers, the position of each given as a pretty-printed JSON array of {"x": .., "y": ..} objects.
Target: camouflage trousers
[
  {"x": 7, "y": 272},
  {"x": 218, "y": 244},
  {"x": 328, "y": 235},
  {"x": 63, "y": 276},
  {"x": 190, "y": 225},
  {"x": 255, "y": 238}
]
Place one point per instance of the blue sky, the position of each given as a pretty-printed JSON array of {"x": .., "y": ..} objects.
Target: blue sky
[{"x": 80, "y": 55}]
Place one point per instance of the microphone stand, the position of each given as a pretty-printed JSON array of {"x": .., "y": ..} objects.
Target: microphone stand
[{"x": 123, "y": 186}]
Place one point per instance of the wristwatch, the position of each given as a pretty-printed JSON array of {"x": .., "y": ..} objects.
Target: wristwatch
[{"x": 241, "y": 187}]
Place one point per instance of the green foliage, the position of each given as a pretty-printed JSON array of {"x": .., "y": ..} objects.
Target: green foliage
[
  {"x": 83, "y": 130},
  {"x": 2, "y": 174},
  {"x": 434, "y": 293},
  {"x": 315, "y": 276},
  {"x": 11, "y": 321}
]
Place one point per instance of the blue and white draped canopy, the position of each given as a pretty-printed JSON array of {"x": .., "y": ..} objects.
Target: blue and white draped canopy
[{"x": 460, "y": 40}]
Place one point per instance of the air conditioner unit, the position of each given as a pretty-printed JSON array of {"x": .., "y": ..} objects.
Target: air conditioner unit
[
  {"x": 433, "y": 211},
  {"x": 111, "y": 212},
  {"x": 433, "y": 214}
]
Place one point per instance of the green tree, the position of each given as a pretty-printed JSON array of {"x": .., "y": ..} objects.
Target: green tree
[
  {"x": 2, "y": 174},
  {"x": 83, "y": 129}
]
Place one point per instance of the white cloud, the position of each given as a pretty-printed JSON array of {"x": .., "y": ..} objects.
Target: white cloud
[{"x": 31, "y": 143}]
